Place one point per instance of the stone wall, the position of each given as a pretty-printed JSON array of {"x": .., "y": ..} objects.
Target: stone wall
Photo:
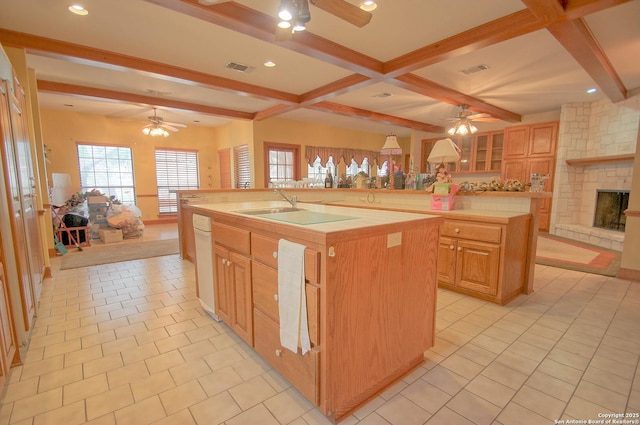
[{"x": 590, "y": 130}]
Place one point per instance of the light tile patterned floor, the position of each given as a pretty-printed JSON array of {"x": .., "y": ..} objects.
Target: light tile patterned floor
[{"x": 127, "y": 343}]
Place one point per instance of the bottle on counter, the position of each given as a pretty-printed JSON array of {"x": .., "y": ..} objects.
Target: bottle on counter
[{"x": 328, "y": 180}]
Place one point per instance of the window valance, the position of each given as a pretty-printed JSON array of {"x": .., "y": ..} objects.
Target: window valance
[{"x": 311, "y": 152}]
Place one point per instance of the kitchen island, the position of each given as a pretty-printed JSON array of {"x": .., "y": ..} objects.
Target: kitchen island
[{"x": 370, "y": 285}]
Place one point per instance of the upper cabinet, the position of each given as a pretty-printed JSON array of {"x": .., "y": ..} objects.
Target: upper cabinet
[
  {"x": 537, "y": 140},
  {"x": 480, "y": 153}
]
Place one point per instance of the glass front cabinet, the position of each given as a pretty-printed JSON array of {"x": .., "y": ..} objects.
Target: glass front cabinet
[{"x": 480, "y": 153}]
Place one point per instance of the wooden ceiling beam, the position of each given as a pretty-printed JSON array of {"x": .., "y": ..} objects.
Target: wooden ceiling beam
[
  {"x": 444, "y": 94},
  {"x": 576, "y": 37},
  {"x": 239, "y": 18},
  {"x": 499, "y": 30},
  {"x": 77, "y": 53},
  {"x": 92, "y": 92},
  {"x": 336, "y": 108},
  {"x": 336, "y": 88}
]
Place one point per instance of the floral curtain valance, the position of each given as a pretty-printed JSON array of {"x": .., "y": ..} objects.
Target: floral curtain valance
[{"x": 311, "y": 152}]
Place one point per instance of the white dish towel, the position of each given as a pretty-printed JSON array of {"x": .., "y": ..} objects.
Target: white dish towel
[{"x": 292, "y": 299}]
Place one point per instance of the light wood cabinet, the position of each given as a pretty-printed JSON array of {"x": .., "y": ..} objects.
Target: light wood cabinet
[
  {"x": 300, "y": 370},
  {"x": 486, "y": 260},
  {"x": 371, "y": 295},
  {"x": 232, "y": 289},
  {"x": 8, "y": 345},
  {"x": 187, "y": 236},
  {"x": 532, "y": 149}
]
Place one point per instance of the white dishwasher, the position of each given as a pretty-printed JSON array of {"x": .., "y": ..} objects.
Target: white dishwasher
[{"x": 204, "y": 263}]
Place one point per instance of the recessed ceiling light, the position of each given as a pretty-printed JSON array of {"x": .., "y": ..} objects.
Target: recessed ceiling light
[
  {"x": 78, "y": 10},
  {"x": 368, "y": 5},
  {"x": 269, "y": 64},
  {"x": 592, "y": 90}
]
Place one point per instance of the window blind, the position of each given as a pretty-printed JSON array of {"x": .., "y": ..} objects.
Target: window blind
[
  {"x": 175, "y": 170},
  {"x": 242, "y": 167}
]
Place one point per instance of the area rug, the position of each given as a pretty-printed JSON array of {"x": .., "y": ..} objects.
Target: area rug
[
  {"x": 573, "y": 255},
  {"x": 117, "y": 252}
]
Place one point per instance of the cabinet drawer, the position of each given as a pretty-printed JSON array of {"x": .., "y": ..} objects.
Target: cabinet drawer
[
  {"x": 301, "y": 371},
  {"x": 475, "y": 231},
  {"x": 265, "y": 250},
  {"x": 237, "y": 239},
  {"x": 265, "y": 298}
]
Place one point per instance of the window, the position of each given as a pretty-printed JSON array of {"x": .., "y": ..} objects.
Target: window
[
  {"x": 108, "y": 169},
  {"x": 242, "y": 167},
  {"x": 175, "y": 170},
  {"x": 281, "y": 162}
]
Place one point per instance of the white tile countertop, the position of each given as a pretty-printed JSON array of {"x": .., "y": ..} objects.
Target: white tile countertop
[{"x": 331, "y": 218}]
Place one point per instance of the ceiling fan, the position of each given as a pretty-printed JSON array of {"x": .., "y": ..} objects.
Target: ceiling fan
[
  {"x": 158, "y": 126},
  {"x": 294, "y": 14},
  {"x": 464, "y": 121}
]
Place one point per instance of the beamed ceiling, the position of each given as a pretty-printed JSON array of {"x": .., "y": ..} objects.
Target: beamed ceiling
[{"x": 400, "y": 72}]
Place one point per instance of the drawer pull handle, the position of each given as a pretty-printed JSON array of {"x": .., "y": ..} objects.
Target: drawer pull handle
[
  {"x": 275, "y": 254},
  {"x": 332, "y": 252},
  {"x": 457, "y": 230},
  {"x": 278, "y": 353},
  {"x": 451, "y": 247},
  {"x": 459, "y": 248},
  {"x": 275, "y": 297}
]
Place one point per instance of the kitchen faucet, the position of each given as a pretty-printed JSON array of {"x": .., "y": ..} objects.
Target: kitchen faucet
[{"x": 293, "y": 200}]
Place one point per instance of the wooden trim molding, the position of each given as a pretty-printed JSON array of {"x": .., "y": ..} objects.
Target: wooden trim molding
[
  {"x": 601, "y": 159},
  {"x": 632, "y": 213},
  {"x": 628, "y": 274}
]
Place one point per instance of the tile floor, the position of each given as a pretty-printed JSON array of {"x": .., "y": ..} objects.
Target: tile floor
[{"x": 127, "y": 343}]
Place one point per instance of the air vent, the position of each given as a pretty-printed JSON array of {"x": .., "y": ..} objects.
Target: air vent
[
  {"x": 239, "y": 67},
  {"x": 382, "y": 95},
  {"x": 474, "y": 69}
]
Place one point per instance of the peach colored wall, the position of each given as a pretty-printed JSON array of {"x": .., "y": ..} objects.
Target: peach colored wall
[
  {"x": 62, "y": 130},
  {"x": 280, "y": 130}
]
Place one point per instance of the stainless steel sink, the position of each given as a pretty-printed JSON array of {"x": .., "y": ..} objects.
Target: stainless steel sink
[{"x": 274, "y": 210}]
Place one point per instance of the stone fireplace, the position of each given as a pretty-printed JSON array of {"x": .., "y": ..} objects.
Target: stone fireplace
[{"x": 596, "y": 147}]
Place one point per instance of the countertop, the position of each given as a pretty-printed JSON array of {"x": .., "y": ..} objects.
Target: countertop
[{"x": 358, "y": 218}]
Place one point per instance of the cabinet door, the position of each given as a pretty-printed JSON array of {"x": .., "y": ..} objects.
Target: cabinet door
[
  {"x": 515, "y": 169},
  {"x": 544, "y": 166},
  {"x": 495, "y": 154},
  {"x": 481, "y": 147},
  {"x": 242, "y": 317},
  {"x": 187, "y": 237},
  {"x": 516, "y": 142},
  {"x": 477, "y": 267},
  {"x": 447, "y": 261},
  {"x": 543, "y": 139},
  {"x": 222, "y": 284}
]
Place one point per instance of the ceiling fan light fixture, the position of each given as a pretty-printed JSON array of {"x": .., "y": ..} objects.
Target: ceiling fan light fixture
[
  {"x": 154, "y": 131},
  {"x": 462, "y": 128},
  {"x": 284, "y": 24},
  {"x": 299, "y": 26},
  {"x": 368, "y": 5},
  {"x": 78, "y": 10}
]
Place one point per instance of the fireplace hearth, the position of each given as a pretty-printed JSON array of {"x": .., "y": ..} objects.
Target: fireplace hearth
[{"x": 610, "y": 207}]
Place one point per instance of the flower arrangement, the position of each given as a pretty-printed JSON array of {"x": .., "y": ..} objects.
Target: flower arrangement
[{"x": 495, "y": 184}]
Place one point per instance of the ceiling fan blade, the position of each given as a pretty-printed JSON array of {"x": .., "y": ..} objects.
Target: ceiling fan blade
[
  {"x": 174, "y": 124},
  {"x": 485, "y": 119},
  {"x": 344, "y": 10},
  {"x": 168, "y": 127},
  {"x": 283, "y": 34}
]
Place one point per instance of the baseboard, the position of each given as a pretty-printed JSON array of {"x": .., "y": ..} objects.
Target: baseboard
[
  {"x": 628, "y": 274},
  {"x": 162, "y": 221}
]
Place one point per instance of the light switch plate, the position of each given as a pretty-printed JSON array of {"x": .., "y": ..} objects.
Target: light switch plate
[{"x": 394, "y": 239}]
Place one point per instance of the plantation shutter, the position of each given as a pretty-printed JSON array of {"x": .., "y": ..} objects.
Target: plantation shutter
[
  {"x": 224, "y": 156},
  {"x": 175, "y": 170},
  {"x": 242, "y": 167}
]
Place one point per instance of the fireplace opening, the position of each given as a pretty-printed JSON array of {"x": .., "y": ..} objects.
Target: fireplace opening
[{"x": 610, "y": 206}]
